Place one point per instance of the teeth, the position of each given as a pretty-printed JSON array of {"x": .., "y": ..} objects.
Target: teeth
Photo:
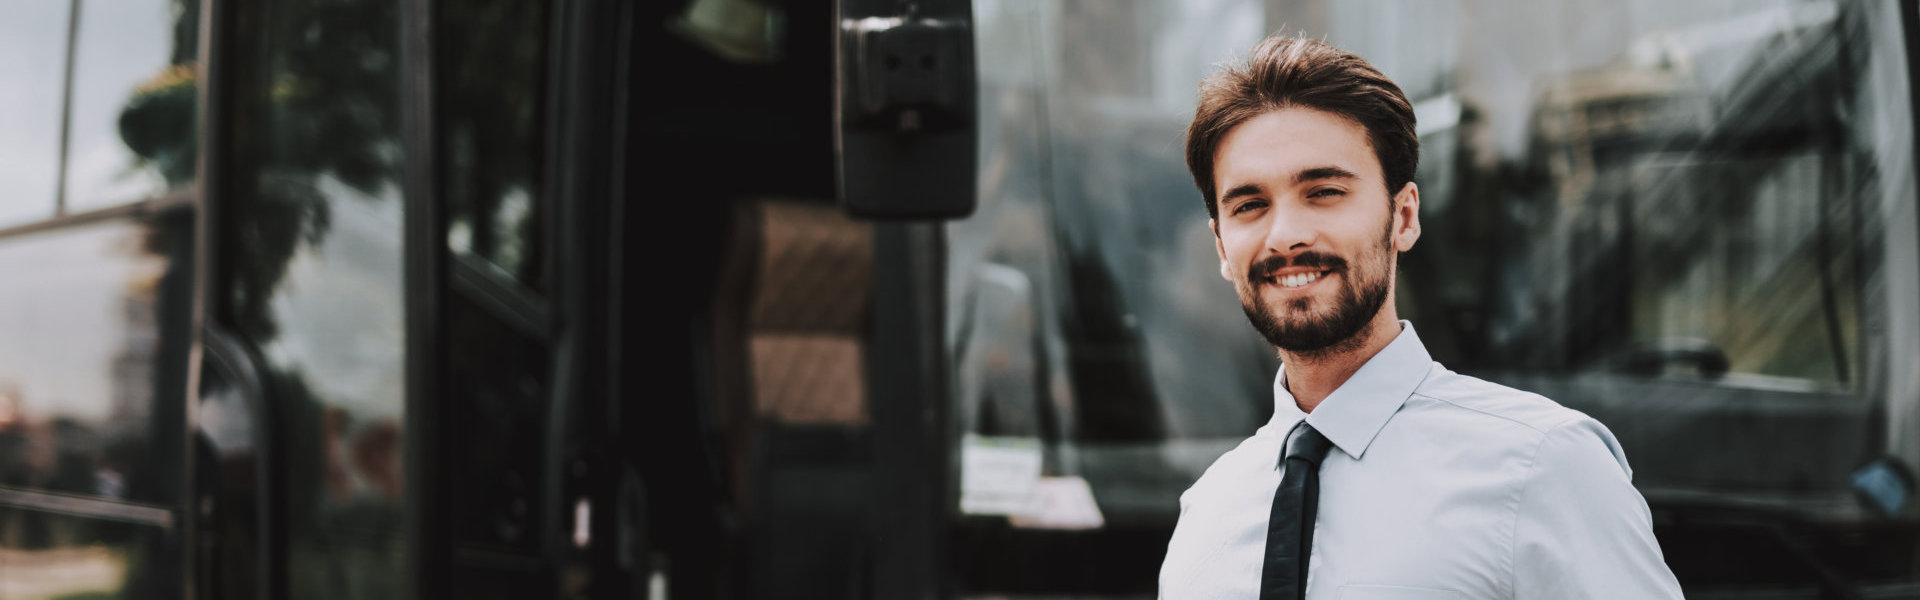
[{"x": 1298, "y": 279}]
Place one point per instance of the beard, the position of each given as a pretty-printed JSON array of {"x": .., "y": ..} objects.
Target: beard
[{"x": 1295, "y": 326}]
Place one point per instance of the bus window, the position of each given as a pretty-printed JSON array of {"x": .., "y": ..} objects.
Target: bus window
[
  {"x": 1683, "y": 218},
  {"x": 35, "y": 43},
  {"x": 500, "y": 383},
  {"x": 131, "y": 114},
  {"x": 1089, "y": 263},
  {"x": 495, "y": 131},
  {"x": 500, "y": 348},
  {"x": 312, "y": 239},
  {"x": 81, "y": 309},
  {"x": 79, "y": 557},
  {"x": 95, "y": 305},
  {"x": 95, "y": 316}
]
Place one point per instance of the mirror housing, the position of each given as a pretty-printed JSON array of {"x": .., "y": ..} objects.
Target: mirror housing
[{"x": 905, "y": 97}]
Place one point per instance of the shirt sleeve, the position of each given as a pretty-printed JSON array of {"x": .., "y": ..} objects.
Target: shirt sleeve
[{"x": 1582, "y": 530}]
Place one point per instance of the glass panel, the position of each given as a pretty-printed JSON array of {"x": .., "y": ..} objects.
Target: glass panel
[
  {"x": 94, "y": 320},
  {"x": 33, "y": 63},
  {"x": 495, "y": 127},
  {"x": 1089, "y": 323},
  {"x": 55, "y": 556},
  {"x": 1664, "y": 213},
  {"x": 134, "y": 88},
  {"x": 314, "y": 244},
  {"x": 499, "y": 377},
  {"x": 1670, "y": 215}
]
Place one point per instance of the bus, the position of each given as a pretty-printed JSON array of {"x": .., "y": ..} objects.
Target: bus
[{"x": 744, "y": 299}]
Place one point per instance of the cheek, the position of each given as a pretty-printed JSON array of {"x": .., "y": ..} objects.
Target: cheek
[{"x": 1239, "y": 246}]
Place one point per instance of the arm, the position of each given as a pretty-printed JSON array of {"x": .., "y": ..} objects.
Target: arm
[{"x": 1582, "y": 530}]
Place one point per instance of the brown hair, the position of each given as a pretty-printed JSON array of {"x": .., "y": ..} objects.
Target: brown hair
[{"x": 1285, "y": 72}]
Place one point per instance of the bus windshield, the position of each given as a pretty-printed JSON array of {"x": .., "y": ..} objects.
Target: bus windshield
[{"x": 1690, "y": 220}]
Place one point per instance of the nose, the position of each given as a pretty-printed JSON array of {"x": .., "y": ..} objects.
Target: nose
[{"x": 1289, "y": 229}]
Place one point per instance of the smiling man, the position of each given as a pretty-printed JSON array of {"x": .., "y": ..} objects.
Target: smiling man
[{"x": 1382, "y": 474}]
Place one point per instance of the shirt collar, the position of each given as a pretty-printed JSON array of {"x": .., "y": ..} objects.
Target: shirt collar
[{"x": 1353, "y": 414}]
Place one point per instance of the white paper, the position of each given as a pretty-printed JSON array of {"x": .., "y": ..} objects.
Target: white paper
[
  {"x": 998, "y": 474},
  {"x": 1061, "y": 503}
]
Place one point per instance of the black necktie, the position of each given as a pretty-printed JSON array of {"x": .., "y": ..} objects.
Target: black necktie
[{"x": 1295, "y": 504}]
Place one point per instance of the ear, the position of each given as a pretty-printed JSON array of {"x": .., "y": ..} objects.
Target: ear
[
  {"x": 1220, "y": 248},
  {"x": 1406, "y": 217}
]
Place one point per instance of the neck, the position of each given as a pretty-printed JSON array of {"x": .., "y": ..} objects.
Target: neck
[{"x": 1312, "y": 376}]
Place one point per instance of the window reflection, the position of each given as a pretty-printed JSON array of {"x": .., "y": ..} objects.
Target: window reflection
[
  {"x": 132, "y": 112},
  {"x": 313, "y": 242},
  {"x": 123, "y": 132},
  {"x": 497, "y": 321},
  {"x": 81, "y": 374},
  {"x": 55, "y": 556},
  {"x": 1089, "y": 266},
  {"x": 495, "y": 118},
  {"x": 1670, "y": 215},
  {"x": 34, "y": 39},
  {"x": 1670, "y": 204}
]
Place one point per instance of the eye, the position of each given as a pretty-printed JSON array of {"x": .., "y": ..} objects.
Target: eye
[
  {"x": 1248, "y": 205},
  {"x": 1327, "y": 193}
]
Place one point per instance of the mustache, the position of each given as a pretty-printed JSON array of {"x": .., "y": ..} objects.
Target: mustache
[{"x": 1263, "y": 269}]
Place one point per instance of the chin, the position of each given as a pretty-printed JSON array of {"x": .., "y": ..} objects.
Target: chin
[{"x": 1301, "y": 311}]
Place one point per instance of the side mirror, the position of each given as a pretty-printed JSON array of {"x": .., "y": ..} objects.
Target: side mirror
[{"x": 905, "y": 96}]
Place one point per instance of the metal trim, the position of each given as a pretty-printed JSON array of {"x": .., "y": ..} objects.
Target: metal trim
[
  {"x": 584, "y": 41},
  {"x": 486, "y": 284},
  {"x": 83, "y": 506},
  {"x": 209, "y": 105},
  {"x": 227, "y": 350},
  {"x": 912, "y": 413},
  {"x": 427, "y": 524},
  {"x": 66, "y": 109},
  {"x": 182, "y": 197}
]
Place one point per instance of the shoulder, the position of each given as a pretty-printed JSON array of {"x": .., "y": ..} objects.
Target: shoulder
[
  {"x": 1495, "y": 412},
  {"x": 1519, "y": 407}
]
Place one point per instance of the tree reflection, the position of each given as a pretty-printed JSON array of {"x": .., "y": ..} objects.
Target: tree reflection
[
  {"x": 321, "y": 105},
  {"x": 494, "y": 121},
  {"x": 316, "y": 128}
]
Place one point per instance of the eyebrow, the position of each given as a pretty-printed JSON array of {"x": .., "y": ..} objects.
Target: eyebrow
[
  {"x": 1318, "y": 173},
  {"x": 1245, "y": 189}
]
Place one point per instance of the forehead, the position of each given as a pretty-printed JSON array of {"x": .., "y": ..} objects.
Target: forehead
[{"x": 1282, "y": 142}]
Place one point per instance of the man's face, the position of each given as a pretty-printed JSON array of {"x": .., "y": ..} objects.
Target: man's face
[{"x": 1305, "y": 230}]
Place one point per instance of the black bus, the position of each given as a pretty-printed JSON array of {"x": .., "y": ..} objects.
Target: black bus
[{"x": 765, "y": 299}]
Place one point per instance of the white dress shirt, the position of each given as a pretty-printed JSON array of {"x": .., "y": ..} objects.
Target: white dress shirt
[{"x": 1444, "y": 486}]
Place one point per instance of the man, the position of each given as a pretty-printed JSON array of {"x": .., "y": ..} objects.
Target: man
[{"x": 1382, "y": 474}]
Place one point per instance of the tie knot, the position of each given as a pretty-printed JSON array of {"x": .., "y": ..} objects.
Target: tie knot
[{"x": 1306, "y": 443}]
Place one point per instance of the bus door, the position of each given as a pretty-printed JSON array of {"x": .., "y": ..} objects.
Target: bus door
[{"x": 407, "y": 238}]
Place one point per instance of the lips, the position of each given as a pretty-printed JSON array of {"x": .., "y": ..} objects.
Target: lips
[{"x": 1297, "y": 271}]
